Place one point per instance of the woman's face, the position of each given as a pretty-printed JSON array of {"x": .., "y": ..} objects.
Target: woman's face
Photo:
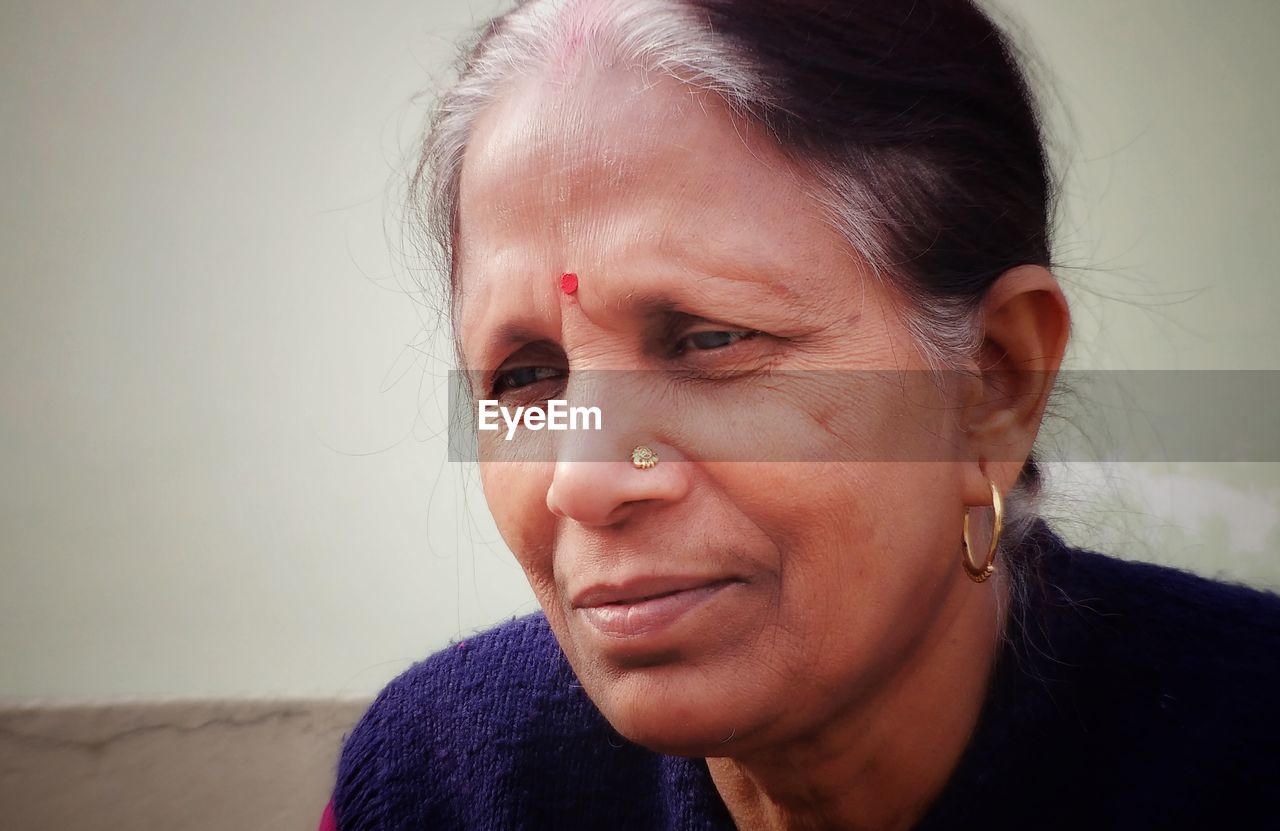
[{"x": 791, "y": 589}]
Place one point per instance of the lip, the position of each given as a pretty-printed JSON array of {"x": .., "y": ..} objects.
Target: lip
[{"x": 645, "y": 606}]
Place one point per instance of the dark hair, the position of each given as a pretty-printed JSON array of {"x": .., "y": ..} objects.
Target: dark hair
[{"x": 927, "y": 102}]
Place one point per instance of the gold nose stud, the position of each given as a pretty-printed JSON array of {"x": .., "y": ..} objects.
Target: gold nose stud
[{"x": 644, "y": 457}]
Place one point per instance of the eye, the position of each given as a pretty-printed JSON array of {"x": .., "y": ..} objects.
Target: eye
[
  {"x": 711, "y": 339},
  {"x": 508, "y": 380}
]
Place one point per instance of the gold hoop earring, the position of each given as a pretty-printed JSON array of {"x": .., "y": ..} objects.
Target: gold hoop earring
[
  {"x": 980, "y": 573},
  {"x": 644, "y": 458}
]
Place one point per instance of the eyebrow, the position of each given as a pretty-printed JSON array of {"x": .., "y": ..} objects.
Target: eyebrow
[
  {"x": 503, "y": 339},
  {"x": 654, "y": 302},
  {"x": 650, "y": 304}
]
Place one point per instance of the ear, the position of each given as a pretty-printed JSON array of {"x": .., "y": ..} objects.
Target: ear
[{"x": 1025, "y": 324}]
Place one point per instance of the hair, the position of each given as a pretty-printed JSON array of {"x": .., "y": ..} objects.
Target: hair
[{"x": 915, "y": 121}]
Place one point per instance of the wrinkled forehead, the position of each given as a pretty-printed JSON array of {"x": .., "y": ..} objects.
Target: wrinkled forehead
[
  {"x": 569, "y": 171},
  {"x": 551, "y": 143}
]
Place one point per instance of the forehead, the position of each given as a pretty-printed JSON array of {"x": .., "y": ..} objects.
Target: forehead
[
  {"x": 607, "y": 171},
  {"x": 551, "y": 148}
]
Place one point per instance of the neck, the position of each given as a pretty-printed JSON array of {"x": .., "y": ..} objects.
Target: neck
[{"x": 879, "y": 766}]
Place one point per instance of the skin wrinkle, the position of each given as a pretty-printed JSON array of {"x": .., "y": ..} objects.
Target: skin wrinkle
[
  {"x": 837, "y": 683},
  {"x": 572, "y": 161}
]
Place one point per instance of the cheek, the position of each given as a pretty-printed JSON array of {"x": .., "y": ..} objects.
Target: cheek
[
  {"x": 873, "y": 519},
  {"x": 517, "y": 497},
  {"x": 863, "y": 553}
]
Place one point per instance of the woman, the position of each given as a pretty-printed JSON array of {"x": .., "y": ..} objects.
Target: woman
[{"x": 780, "y": 590}]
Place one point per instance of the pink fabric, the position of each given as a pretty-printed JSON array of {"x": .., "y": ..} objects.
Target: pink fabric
[{"x": 328, "y": 822}]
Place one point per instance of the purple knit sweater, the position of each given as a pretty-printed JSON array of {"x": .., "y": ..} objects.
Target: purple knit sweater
[{"x": 1128, "y": 695}]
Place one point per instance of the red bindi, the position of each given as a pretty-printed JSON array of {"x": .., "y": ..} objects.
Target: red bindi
[{"x": 568, "y": 282}]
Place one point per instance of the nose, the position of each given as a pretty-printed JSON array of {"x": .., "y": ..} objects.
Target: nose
[{"x": 593, "y": 489}]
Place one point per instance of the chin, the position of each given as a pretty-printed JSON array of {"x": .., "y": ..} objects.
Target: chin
[{"x": 659, "y": 710}]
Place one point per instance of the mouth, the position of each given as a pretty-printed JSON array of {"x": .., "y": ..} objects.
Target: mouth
[{"x": 642, "y": 608}]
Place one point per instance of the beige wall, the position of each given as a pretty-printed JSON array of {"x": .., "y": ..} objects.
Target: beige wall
[{"x": 223, "y": 470}]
